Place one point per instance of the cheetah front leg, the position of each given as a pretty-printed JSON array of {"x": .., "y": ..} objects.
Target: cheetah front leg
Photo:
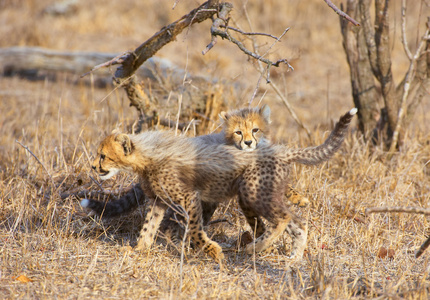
[
  {"x": 200, "y": 238},
  {"x": 152, "y": 221}
]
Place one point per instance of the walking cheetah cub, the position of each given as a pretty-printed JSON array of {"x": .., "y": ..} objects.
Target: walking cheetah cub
[
  {"x": 186, "y": 172},
  {"x": 246, "y": 129}
]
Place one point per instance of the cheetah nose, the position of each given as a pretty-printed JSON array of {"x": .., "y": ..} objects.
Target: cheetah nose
[
  {"x": 94, "y": 167},
  {"x": 248, "y": 143}
]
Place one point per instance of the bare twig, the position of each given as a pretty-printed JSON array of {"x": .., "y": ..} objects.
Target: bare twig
[
  {"x": 423, "y": 248},
  {"x": 96, "y": 182},
  {"x": 289, "y": 107},
  {"x": 257, "y": 87},
  {"x": 38, "y": 160},
  {"x": 226, "y": 35},
  {"x": 117, "y": 60},
  {"x": 400, "y": 209},
  {"x": 174, "y": 4},
  {"x": 341, "y": 13},
  {"x": 249, "y": 33},
  {"x": 216, "y": 31}
]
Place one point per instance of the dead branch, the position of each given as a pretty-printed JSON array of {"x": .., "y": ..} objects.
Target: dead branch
[
  {"x": 400, "y": 209},
  {"x": 18, "y": 59},
  {"x": 221, "y": 22},
  {"x": 423, "y": 248},
  {"x": 249, "y": 33},
  {"x": 341, "y": 13},
  {"x": 225, "y": 35},
  {"x": 119, "y": 59},
  {"x": 29, "y": 61},
  {"x": 222, "y": 19},
  {"x": 408, "y": 81},
  {"x": 124, "y": 75},
  {"x": 167, "y": 34}
]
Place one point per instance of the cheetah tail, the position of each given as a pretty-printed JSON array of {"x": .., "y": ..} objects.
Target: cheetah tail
[
  {"x": 125, "y": 204},
  {"x": 318, "y": 154}
]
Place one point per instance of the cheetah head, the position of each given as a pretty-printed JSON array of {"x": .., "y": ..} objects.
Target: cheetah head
[
  {"x": 113, "y": 156},
  {"x": 247, "y": 128}
]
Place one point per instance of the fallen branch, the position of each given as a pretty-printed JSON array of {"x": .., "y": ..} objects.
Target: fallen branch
[
  {"x": 400, "y": 209},
  {"x": 27, "y": 61}
]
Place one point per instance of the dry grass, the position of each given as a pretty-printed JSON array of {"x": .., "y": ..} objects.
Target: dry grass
[{"x": 66, "y": 254}]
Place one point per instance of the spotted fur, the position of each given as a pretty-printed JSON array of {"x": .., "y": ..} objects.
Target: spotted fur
[
  {"x": 187, "y": 172},
  {"x": 246, "y": 129}
]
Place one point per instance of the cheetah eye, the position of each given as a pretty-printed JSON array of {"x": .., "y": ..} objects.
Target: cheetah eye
[
  {"x": 255, "y": 130},
  {"x": 238, "y": 132},
  {"x": 102, "y": 156}
]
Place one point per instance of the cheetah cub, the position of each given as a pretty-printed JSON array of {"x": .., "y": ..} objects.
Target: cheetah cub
[
  {"x": 188, "y": 172},
  {"x": 246, "y": 129}
]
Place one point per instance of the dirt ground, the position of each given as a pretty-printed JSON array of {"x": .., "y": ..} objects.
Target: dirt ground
[{"x": 50, "y": 128}]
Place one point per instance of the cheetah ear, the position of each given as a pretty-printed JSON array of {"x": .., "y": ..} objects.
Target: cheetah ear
[
  {"x": 125, "y": 142},
  {"x": 116, "y": 131},
  {"x": 265, "y": 113},
  {"x": 223, "y": 116}
]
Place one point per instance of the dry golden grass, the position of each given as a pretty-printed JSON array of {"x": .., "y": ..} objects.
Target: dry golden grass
[{"x": 50, "y": 248}]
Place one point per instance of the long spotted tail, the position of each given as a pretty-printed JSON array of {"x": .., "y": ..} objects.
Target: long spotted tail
[
  {"x": 318, "y": 154},
  {"x": 125, "y": 204}
]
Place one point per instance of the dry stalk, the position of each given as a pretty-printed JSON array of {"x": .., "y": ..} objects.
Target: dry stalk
[{"x": 38, "y": 160}]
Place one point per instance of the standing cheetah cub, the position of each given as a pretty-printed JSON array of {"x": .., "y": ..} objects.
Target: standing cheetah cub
[{"x": 187, "y": 172}]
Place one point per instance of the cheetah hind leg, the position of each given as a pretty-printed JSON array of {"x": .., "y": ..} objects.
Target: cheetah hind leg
[
  {"x": 295, "y": 197},
  {"x": 267, "y": 238},
  {"x": 297, "y": 232}
]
